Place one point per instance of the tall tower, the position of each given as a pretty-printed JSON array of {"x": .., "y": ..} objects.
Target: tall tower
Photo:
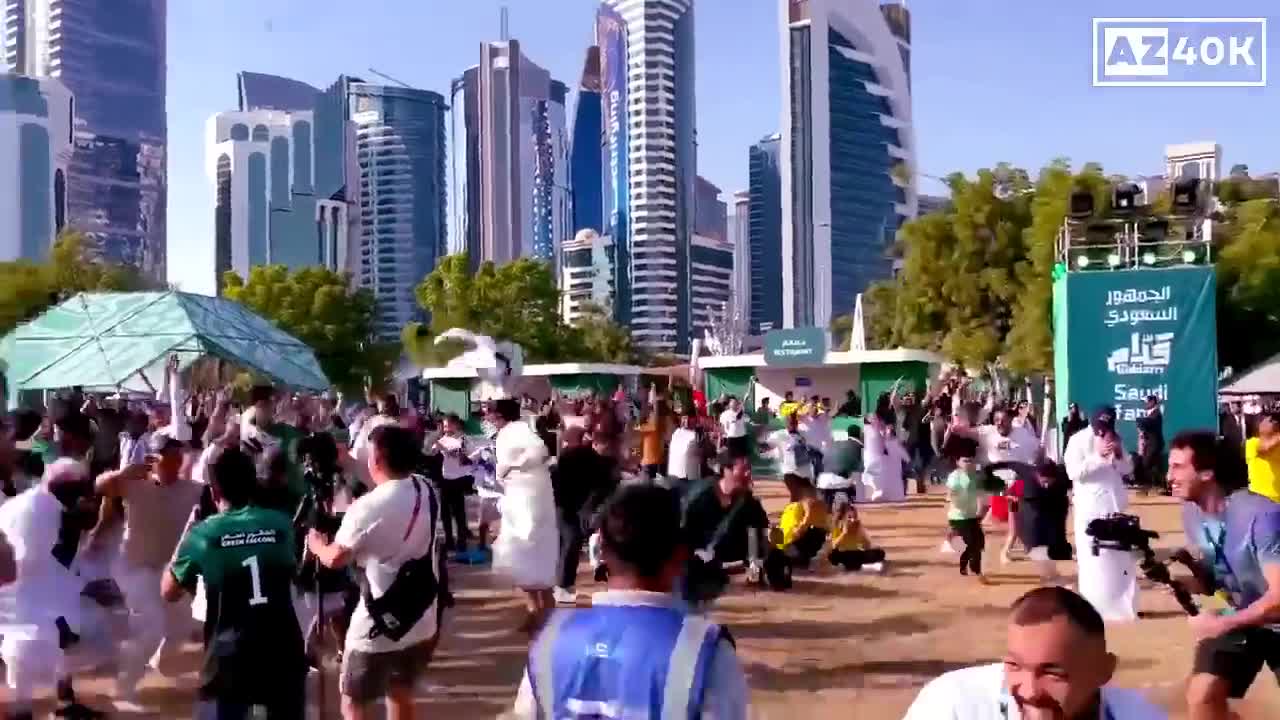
[
  {"x": 586, "y": 158},
  {"x": 510, "y": 172},
  {"x": 846, "y": 127},
  {"x": 400, "y": 135},
  {"x": 111, "y": 57},
  {"x": 647, "y": 68},
  {"x": 764, "y": 235}
]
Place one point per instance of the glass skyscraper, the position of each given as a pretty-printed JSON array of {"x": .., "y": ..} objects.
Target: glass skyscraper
[
  {"x": 509, "y": 173},
  {"x": 846, "y": 128},
  {"x": 764, "y": 235},
  {"x": 400, "y": 153},
  {"x": 111, "y": 56},
  {"x": 586, "y": 156},
  {"x": 647, "y": 69}
]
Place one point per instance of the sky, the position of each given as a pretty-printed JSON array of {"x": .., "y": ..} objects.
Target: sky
[{"x": 993, "y": 80}]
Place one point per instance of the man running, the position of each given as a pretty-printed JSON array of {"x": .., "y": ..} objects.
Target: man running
[
  {"x": 157, "y": 503},
  {"x": 44, "y": 524},
  {"x": 245, "y": 555}
]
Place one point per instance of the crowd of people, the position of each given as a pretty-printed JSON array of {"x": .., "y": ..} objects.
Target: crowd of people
[{"x": 300, "y": 528}]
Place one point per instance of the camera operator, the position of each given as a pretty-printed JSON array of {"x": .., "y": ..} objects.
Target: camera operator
[
  {"x": 1236, "y": 536},
  {"x": 391, "y": 533},
  {"x": 322, "y": 508}
]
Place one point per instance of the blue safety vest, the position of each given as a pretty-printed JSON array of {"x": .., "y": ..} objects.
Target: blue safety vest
[{"x": 622, "y": 662}]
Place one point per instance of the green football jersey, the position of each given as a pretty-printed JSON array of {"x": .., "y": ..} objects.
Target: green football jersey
[{"x": 251, "y": 634}]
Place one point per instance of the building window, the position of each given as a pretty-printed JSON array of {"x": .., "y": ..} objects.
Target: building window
[{"x": 239, "y": 131}]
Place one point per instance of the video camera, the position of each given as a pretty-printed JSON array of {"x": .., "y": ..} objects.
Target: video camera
[{"x": 1125, "y": 533}]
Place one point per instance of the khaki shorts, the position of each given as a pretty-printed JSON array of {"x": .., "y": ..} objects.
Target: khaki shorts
[{"x": 366, "y": 677}]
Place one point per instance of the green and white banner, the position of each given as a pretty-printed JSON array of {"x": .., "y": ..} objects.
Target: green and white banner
[{"x": 1120, "y": 336}]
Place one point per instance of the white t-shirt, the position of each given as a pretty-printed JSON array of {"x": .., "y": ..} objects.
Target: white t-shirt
[
  {"x": 792, "y": 452},
  {"x": 454, "y": 450},
  {"x": 1020, "y": 445},
  {"x": 734, "y": 423},
  {"x": 682, "y": 458},
  {"x": 978, "y": 693},
  {"x": 374, "y": 530},
  {"x": 360, "y": 448}
]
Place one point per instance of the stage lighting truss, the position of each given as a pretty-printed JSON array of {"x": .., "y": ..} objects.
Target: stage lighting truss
[{"x": 1101, "y": 245}]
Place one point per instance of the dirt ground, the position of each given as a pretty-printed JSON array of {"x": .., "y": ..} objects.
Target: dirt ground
[{"x": 837, "y": 645}]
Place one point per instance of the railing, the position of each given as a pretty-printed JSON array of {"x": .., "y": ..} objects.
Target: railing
[{"x": 1127, "y": 244}]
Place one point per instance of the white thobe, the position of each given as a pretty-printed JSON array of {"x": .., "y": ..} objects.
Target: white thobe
[
  {"x": 1108, "y": 580},
  {"x": 44, "y": 591},
  {"x": 528, "y": 545}
]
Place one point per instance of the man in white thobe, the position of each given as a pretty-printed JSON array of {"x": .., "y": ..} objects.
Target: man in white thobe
[{"x": 1097, "y": 464}]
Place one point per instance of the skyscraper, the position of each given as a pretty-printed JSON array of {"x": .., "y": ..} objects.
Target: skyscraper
[
  {"x": 710, "y": 259},
  {"x": 400, "y": 147},
  {"x": 280, "y": 166},
  {"x": 35, "y": 148},
  {"x": 464, "y": 166},
  {"x": 111, "y": 57},
  {"x": 846, "y": 126},
  {"x": 586, "y": 156},
  {"x": 510, "y": 174},
  {"x": 740, "y": 241},
  {"x": 647, "y": 67},
  {"x": 764, "y": 235}
]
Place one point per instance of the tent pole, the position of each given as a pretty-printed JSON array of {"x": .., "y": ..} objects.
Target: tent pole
[{"x": 150, "y": 387}]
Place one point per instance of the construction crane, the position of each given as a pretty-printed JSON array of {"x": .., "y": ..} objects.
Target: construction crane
[{"x": 385, "y": 76}]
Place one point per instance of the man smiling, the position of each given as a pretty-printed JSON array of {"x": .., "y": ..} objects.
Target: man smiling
[{"x": 1056, "y": 667}]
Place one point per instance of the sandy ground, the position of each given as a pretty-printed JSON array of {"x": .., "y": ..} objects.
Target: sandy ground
[{"x": 837, "y": 645}]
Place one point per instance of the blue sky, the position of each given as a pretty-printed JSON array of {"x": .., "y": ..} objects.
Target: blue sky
[{"x": 993, "y": 80}]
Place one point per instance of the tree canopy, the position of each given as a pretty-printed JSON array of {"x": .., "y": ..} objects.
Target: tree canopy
[
  {"x": 517, "y": 302},
  {"x": 29, "y": 288},
  {"x": 319, "y": 307},
  {"x": 976, "y": 279}
]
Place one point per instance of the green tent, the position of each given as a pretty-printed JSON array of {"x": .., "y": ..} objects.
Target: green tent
[{"x": 122, "y": 340}]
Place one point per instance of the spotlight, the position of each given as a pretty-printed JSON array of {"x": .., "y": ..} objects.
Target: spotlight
[
  {"x": 1081, "y": 204},
  {"x": 1082, "y": 261},
  {"x": 1124, "y": 198},
  {"x": 1113, "y": 260},
  {"x": 1186, "y": 196},
  {"x": 1188, "y": 256},
  {"x": 1148, "y": 258}
]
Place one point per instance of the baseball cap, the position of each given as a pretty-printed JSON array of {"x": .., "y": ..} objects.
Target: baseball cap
[{"x": 1104, "y": 418}]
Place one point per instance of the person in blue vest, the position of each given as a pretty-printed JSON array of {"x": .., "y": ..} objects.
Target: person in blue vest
[{"x": 634, "y": 653}]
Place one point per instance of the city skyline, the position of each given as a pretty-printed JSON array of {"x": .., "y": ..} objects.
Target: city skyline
[
  {"x": 117, "y": 177},
  {"x": 1035, "y": 68}
]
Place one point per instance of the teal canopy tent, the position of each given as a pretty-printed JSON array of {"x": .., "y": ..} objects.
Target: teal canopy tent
[{"x": 122, "y": 340}]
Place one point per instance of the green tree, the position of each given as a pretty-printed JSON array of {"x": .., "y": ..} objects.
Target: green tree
[
  {"x": 1248, "y": 283},
  {"x": 29, "y": 288},
  {"x": 976, "y": 280},
  {"x": 319, "y": 307},
  {"x": 600, "y": 339},
  {"x": 517, "y": 302}
]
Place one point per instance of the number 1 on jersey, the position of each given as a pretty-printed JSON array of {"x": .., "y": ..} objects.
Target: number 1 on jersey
[{"x": 255, "y": 576}]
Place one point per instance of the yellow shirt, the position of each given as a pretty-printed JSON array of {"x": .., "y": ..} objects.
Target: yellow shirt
[
  {"x": 798, "y": 517},
  {"x": 788, "y": 408},
  {"x": 1264, "y": 470},
  {"x": 848, "y": 537}
]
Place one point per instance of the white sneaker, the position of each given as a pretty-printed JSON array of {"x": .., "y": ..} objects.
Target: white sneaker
[
  {"x": 564, "y": 597},
  {"x": 876, "y": 495},
  {"x": 873, "y": 567}
]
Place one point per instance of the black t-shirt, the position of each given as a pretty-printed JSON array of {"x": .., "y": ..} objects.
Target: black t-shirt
[{"x": 704, "y": 513}]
